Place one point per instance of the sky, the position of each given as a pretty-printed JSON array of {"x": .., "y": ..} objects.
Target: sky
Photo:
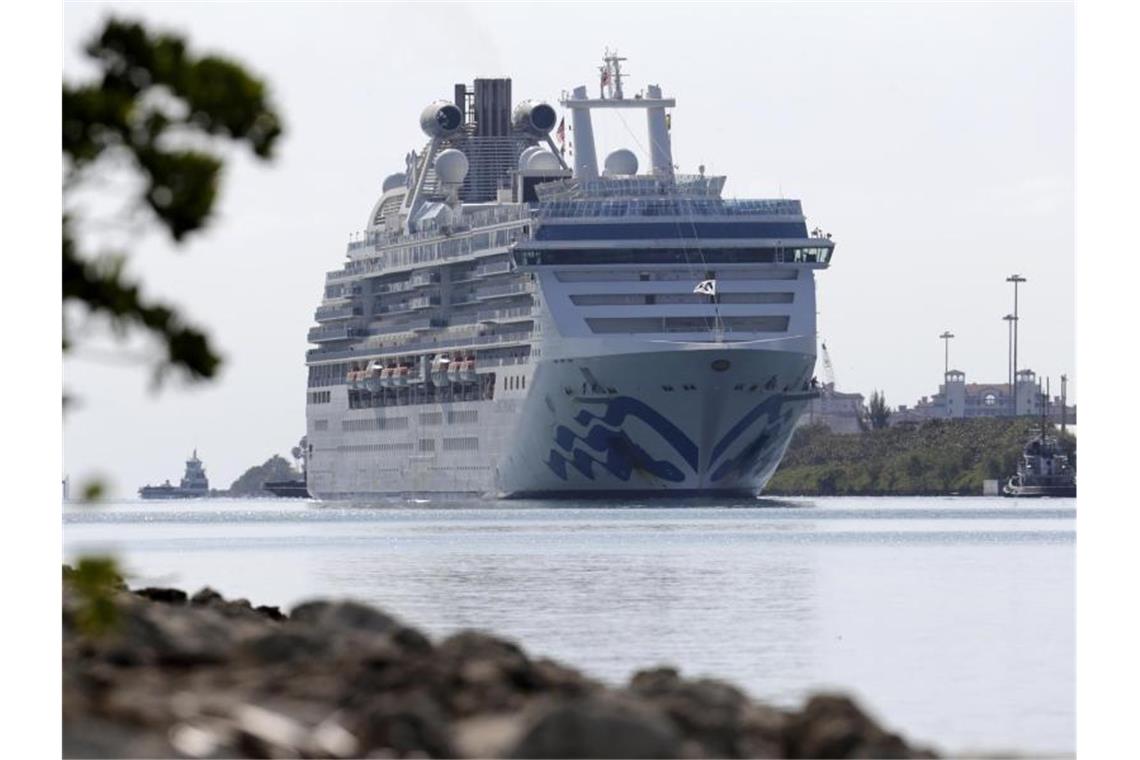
[{"x": 935, "y": 142}]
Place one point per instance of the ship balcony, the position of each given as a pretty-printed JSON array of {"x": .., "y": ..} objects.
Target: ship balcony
[
  {"x": 329, "y": 333},
  {"x": 501, "y": 291},
  {"x": 504, "y": 316},
  {"x": 485, "y": 270},
  {"x": 419, "y": 280},
  {"x": 340, "y": 311},
  {"x": 404, "y": 346},
  {"x": 405, "y": 307}
]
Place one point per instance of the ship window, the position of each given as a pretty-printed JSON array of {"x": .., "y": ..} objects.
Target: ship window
[
  {"x": 470, "y": 443},
  {"x": 427, "y": 444},
  {"x": 672, "y": 231},
  {"x": 461, "y": 416}
]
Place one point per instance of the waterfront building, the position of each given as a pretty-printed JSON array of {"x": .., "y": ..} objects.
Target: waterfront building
[
  {"x": 838, "y": 411},
  {"x": 957, "y": 399}
]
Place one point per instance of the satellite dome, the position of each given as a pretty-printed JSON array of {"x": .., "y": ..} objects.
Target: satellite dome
[
  {"x": 393, "y": 181},
  {"x": 451, "y": 166},
  {"x": 543, "y": 160},
  {"x": 524, "y": 157},
  {"x": 621, "y": 162}
]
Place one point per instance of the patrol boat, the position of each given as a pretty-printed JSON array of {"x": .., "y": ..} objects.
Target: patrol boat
[{"x": 517, "y": 321}]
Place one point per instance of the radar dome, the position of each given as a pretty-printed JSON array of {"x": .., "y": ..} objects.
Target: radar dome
[
  {"x": 535, "y": 117},
  {"x": 451, "y": 166},
  {"x": 621, "y": 162},
  {"x": 524, "y": 157},
  {"x": 441, "y": 119},
  {"x": 393, "y": 181},
  {"x": 543, "y": 160}
]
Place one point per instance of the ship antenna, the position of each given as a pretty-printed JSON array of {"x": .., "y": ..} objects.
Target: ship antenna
[{"x": 611, "y": 75}]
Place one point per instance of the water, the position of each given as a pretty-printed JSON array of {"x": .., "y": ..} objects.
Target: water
[{"x": 951, "y": 619}]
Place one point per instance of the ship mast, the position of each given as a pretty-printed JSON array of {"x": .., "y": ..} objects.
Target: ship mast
[{"x": 611, "y": 76}]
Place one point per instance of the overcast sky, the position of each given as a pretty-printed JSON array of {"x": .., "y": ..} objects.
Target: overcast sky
[{"x": 934, "y": 141}]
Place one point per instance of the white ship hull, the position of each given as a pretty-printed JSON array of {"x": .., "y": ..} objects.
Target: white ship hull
[{"x": 664, "y": 422}]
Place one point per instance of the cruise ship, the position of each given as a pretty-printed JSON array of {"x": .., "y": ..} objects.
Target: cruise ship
[{"x": 516, "y": 320}]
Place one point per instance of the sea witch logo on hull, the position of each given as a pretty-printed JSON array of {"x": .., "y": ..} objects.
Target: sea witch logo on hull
[
  {"x": 602, "y": 440},
  {"x": 602, "y": 434}
]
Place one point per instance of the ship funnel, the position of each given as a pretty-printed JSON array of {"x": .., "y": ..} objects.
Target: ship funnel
[
  {"x": 441, "y": 119},
  {"x": 534, "y": 117}
]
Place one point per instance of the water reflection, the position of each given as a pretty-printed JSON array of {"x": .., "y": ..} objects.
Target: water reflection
[{"x": 612, "y": 599}]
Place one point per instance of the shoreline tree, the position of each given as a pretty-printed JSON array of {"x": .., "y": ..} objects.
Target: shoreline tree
[{"x": 878, "y": 410}]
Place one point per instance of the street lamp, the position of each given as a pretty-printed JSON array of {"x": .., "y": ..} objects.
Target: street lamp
[
  {"x": 946, "y": 336},
  {"x": 1016, "y": 279},
  {"x": 1009, "y": 359}
]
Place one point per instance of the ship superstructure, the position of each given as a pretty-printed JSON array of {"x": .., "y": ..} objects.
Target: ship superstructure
[{"x": 510, "y": 325}]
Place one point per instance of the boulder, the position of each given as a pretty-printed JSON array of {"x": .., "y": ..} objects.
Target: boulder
[
  {"x": 597, "y": 726},
  {"x": 168, "y": 595}
]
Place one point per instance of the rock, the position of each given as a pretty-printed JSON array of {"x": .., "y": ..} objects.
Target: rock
[
  {"x": 273, "y": 613},
  {"x": 597, "y": 727},
  {"x": 167, "y": 595},
  {"x": 487, "y": 735},
  {"x": 343, "y": 615},
  {"x": 210, "y": 677},
  {"x": 404, "y": 723},
  {"x": 832, "y": 725},
  {"x": 709, "y": 712},
  {"x": 168, "y": 635},
  {"x": 284, "y": 646},
  {"x": 206, "y": 596}
]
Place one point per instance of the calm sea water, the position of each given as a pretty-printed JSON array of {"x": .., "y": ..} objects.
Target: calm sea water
[{"x": 951, "y": 619}]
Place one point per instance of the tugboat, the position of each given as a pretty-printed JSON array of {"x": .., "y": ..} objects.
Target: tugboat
[
  {"x": 1044, "y": 468},
  {"x": 194, "y": 483}
]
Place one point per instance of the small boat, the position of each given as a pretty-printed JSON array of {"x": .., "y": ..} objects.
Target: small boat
[
  {"x": 288, "y": 489},
  {"x": 439, "y": 369},
  {"x": 467, "y": 371},
  {"x": 1043, "y": 470}
]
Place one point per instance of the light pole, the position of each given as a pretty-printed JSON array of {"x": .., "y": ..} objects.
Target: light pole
[
  {"x": 1016, "y": 279},
  {"x": 946, "y": 336},
  {"x": 1009, "y": 318}
]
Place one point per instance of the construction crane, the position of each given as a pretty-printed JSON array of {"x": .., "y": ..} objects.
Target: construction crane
[{"x": 828, "y": 368}]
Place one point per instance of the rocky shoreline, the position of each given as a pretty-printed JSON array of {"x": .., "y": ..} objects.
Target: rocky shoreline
[{"x": 171, "y": 675}]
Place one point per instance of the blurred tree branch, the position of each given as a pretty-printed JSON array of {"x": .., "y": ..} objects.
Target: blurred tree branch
[{"x": 167, "y": 111}]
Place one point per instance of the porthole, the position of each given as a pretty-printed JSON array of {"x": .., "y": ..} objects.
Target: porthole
[{"x": 720, "y": 365}]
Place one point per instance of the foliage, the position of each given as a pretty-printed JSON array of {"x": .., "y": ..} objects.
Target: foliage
[
  {"x": 938, "y": 457},
  {"x": 163, "y": 112},
  {"x": 252, "y": 480},
  {"x": 95, "y": 580},
  {"x": 878, "y": 410}
]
